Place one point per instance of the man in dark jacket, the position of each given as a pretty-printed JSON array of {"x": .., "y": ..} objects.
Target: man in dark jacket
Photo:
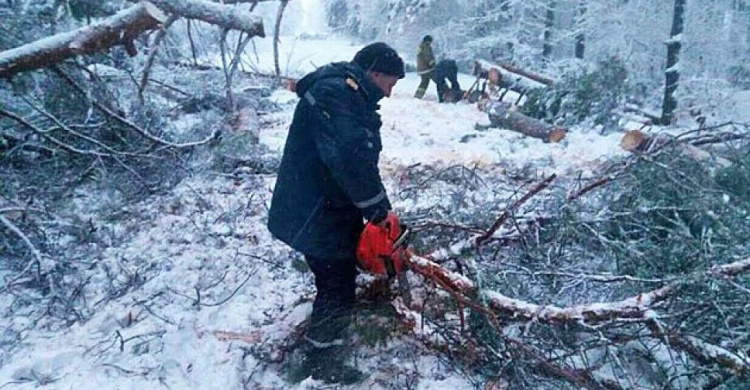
[
  {"x": 328, "y": 183},
  {"x": 447, "y": 69}
]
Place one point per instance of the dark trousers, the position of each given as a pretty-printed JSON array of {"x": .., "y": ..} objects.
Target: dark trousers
[
  {"x": 455, "y": 88},
  {"x": 334, "y": 301}
]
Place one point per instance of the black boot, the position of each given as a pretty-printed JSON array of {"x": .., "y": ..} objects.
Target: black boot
[{"x": 327, "y": 363}]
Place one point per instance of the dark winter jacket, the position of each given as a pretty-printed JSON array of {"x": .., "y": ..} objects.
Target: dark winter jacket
[
  {"x": 425, "y": 59},
  {"x": 447, "y": 70},
  {"x": 329, "y": 179}
]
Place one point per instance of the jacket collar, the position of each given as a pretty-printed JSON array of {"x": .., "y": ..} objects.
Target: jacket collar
[{"x": 369, "y": 89}]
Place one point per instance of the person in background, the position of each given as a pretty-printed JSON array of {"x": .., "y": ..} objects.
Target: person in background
[
  {"x": 328, "y": 184},
  {"x": 425, "y": 65},
  {"x": 447, "y": 70}
]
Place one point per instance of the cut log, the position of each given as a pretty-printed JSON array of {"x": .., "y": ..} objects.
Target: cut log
[
  {"x": 638, "y": 141},
  {"x": 121, "y": 28},
  {"x": 501, "y": 77},
  {"x": 538, "y": 78},
  {"x": 226, "y": 16},
  {"x": 504, "y": 115}
]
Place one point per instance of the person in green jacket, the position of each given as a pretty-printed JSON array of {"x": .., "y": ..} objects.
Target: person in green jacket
[{"x": 425, "y": 65}]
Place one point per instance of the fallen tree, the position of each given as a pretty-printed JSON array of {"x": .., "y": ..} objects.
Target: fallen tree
[
  {"x": 504, "y": 115},
  {"x": 119, "y": 29},
  {"x": 533, "y": 76},
  {"x": 640, "y": 307},
  {"x": 225, "y": 16},
  {"x": 653, "y": 319},
  {"x": 122, "y": 29}
]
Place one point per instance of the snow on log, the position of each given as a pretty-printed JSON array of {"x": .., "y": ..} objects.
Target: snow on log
[
  {"x": 538, "y": 78},
  {"x": 700, "y": 350},
  {"x": 226, "y": 16},
  {"x": 637, "y": 307},
  {"x": 633, "y": 307},
  {"x": 121, "y": 28},
  {"x": 703, "y": 351},
  {"x": 505, "y": 115},
  {"x": 501, "y": 77}
]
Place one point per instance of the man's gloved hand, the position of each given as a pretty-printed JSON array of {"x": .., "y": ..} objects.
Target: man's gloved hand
[{"x": 376, "y": 252}]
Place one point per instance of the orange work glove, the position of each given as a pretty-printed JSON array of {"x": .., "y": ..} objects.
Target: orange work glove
[{"x": 375, "y": 248}]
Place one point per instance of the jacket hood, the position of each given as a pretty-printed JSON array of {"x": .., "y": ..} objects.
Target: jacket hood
[{"x": 371, "y": 92}]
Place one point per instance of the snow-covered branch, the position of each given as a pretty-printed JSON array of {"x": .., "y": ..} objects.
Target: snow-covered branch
[
  {"x": 700, "y": 350},
  {"x": 120, "y": 28},
  {"x": 226, "y": 16},
  {"x": 633, "y": 307},
  {"x": 636, "y": 307}
]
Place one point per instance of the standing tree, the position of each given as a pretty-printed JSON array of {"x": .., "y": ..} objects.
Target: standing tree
[
  {"x": 672, "y": 74},
  {"x": 549, "y": 22},
  {"x": 580, "y": 37}
]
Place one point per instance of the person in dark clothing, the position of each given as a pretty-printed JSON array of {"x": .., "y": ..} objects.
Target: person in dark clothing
[
  {"x": 328, "y": 184},
  {"x": 447, "y": 69}
]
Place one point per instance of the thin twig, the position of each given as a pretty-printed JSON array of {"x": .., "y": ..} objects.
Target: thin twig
[{"x": 512, "y": 208}]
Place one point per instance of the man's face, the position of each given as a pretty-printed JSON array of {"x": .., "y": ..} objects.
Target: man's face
[{"x": 385, "y": 82}]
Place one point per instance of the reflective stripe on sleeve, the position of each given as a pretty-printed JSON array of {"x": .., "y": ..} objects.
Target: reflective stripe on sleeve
[
  {"x": 310, "y": 98},
  {"x": 372, "y": 201}
]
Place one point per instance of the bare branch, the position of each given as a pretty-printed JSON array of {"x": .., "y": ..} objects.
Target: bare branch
[
  {"x": 106, "y": 110},
  {"x": 37, "y": 256},
  {"x": 510, "y": 210},
  {"x": 152, "y": 54}
]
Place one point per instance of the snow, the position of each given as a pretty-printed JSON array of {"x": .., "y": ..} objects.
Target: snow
[
  {"x": 159, "y": 333},
  {"x": 423, "y": 131}
]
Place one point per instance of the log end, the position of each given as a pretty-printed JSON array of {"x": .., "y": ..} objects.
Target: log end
[
  {"x": 494, "y": 76},
  {"x": 557, "y": 134},
  {"x": 633, "y": 140}
]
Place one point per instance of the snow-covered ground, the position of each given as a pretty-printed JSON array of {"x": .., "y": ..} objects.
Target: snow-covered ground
[{"x": 206, "y": 242}]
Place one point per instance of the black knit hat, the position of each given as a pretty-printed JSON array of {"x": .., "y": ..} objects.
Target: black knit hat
[{"x": 379, "y": 57}]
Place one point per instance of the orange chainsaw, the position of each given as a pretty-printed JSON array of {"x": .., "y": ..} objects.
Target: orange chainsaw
[{"x": 382, "y": 250}]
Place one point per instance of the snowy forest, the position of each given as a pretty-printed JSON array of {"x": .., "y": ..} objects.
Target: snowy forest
[{"x": 580, "y": 217}]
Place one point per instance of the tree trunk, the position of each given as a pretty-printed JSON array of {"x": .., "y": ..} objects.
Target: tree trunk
[
  {"x": 121, "y": 28},
  {"x": 226, "y": 16},
  {"x": 674, "y": 45},
  {"x": 580, "y": 37},
  {"x": 504, "y": 115},
  {"x": 549, "y": 23},
  {"x": 276, "y": 32}
]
